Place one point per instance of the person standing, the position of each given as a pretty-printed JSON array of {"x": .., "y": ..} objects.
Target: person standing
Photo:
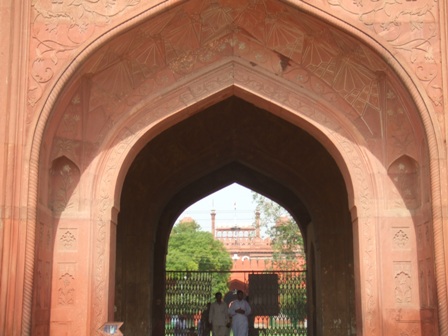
[
  {"x": 239, "y": 310},
  {"x": 205, "y": 324},
  {"x": 218, "y": 316}
]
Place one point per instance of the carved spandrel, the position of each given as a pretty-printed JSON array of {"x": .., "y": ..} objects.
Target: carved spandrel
[
  {"x": 411, "y": 28},
  {"x": 330, "y": 64},
  {"x": 59, "y": 28}
]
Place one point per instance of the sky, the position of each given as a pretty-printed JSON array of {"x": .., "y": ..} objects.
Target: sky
[{"x": 233, "y": 205}]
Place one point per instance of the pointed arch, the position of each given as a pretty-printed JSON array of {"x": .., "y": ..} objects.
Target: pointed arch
[{"x": 121, "y": 145}]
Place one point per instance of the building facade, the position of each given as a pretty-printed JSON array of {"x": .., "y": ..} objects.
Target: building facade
[
  {"x": 117, "y": 115},
  {"x": 250, "y": 252}
]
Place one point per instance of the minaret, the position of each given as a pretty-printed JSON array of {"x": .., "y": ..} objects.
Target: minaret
[
  {"x": 213, "y": 214},
  {"x": 257, "y": 223}
]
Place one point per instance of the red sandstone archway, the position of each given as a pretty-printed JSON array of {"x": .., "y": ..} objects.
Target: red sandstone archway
[
  {"x": 230, "y": 141},
  {"x": 99, "y": 125}
]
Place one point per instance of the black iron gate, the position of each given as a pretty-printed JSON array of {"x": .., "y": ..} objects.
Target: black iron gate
[{"x": 277, "y": 299}]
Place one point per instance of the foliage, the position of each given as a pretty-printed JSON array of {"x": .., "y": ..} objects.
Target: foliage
[
  {"x": 293, "y": 299},
  {"x": 286, "y": 238},
  {"x": 288, "y": 254},
  {"x": 190, "y": 249}
]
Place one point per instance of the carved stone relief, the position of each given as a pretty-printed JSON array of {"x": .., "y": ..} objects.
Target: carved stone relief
[
  {"x": 407, "y": 322},
  {"x": 317, "y": 67},
  {"x": 65, "y": 176},
  {"x": 401, "y": 138},
  {"x": 411, "y": 28},
  {"x": 68, "y": 239},
  {"x": 404, "y": 174},
  {"x": 344, "y": 73},
  {"x": 403, "y": 282},
  {"x": 71, "y": 123},
  {"x": 59, "y": 28},
  {"x": 66, "y": 284},
  {"x": 401, "y": 239},
  {"x": 142, "y": 75}
]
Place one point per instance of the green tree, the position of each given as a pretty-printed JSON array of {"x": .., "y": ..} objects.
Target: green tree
[
  {"x": 190, "y": 249},
  {"x": 286, "y": 238},
  {"x": 288, "y": 249}
]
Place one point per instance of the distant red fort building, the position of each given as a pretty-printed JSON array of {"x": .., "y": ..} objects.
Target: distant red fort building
[{"x": 248, "y": 250}]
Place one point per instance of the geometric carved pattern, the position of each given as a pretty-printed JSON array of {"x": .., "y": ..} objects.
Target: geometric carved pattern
[
  {"x": 155, "y": 55},
  {"x": 69, "y": 31},
  {"x": 401, "y": 239},
  {"x": 68, "y": 239},
  {"x": 392, "y": 20}
]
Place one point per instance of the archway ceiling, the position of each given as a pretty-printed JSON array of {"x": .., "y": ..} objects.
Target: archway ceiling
[
  {"x": 183, "y": 44},
  {"x": 187, "y": 41},
  {"x": 233, "y": 141},
  {"x": 237, "y": 172},
  {"x": 319, "y": 60}
]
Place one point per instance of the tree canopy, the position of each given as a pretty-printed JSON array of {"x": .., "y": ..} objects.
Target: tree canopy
[
  {"x": 190, "y": 249},
  {"x": 286, "y": 238},
  {"x": 288, "y": 254}
]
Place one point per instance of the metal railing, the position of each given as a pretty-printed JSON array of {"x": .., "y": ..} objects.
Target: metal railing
[{"x": 278, "y": 301}]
